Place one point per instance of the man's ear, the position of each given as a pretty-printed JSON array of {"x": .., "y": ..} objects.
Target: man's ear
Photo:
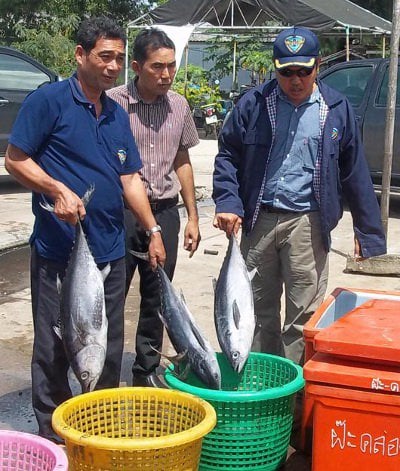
[
  {"x": 79, "y": 53},
  {"x": 135, "y": 67}
]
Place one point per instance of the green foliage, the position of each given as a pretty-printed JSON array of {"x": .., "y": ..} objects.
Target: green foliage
[
  {"x": 49, "y": 44},
  {"x": 45, "y": 29},
  {"x": 196, "y": 88},
  {"x": 251, "y": 55},
  {"x": 258, "y": 60},
  {"x": 221, "y": 53}
]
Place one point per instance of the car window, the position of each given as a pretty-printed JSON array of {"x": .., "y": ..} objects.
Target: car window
[
  {"x": 351, "y": 81},
  {"x": 383, "y": 89},
  {"x": 18, "y": 74}
]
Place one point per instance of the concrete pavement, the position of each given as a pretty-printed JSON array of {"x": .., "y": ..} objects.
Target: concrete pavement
[{"x": 193, "y": 276}]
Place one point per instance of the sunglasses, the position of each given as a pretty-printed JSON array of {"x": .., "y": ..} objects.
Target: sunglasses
[{"x": 303, "y": 72}]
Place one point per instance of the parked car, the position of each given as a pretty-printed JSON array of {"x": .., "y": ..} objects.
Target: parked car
[
  {"x": 19, "y": 75},
  {"x": 365, "y": 83}
]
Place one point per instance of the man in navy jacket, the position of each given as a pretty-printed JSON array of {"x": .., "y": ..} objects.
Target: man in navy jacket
[{"x": 289, "y": 155}]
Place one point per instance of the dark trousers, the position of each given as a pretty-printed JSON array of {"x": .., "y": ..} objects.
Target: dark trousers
[
  {"x": 149, "y": 332},
  {"x": 49, "y": 365}
]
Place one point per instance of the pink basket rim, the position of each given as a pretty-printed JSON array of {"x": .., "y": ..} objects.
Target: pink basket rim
[{"x": 61, "y": 463}]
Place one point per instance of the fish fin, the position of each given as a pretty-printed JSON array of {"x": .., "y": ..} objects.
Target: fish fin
[
  {"x": 184, "y": 374},
  {"x": 182, "y": 297},
  {"x": 141, "y": 255},
  {"x": 57, "y": 331},
  {"x": 158, "y": 351},
  {"x": 214, "y": 283},
  {"x": 105, "y": 271},
  {"x": 199, "y": 337},
  {"x": 236, "y": 314},
  {"x": 175, "y": 359},
  {"x": 252, "y": 273},
  {"x": 46, "y": 205},
  {"x": 88, "y": 195},
  {"x": 59, "y": 284},
  {"x": 57, "y": 328}
]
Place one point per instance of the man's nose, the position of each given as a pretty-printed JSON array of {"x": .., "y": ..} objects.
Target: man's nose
[
  {"x": 115, "y": 64},
  {"x": 165, "y": 73}
]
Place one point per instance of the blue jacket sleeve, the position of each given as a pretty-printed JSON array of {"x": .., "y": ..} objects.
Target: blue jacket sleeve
[
  {"x": 358, "y": 189},
  {"x": 226, "y": 166}
]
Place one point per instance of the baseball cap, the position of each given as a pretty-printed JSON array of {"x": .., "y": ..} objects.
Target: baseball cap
[{"x": 295, "y": 46}]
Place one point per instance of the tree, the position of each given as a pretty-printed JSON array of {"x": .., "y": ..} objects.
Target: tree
[
  {"x": 196, "y": 89},
  {"x": 33, "y": 13},
  {"x": 251, "y": 54},
  {"x": 258, "y": 61},
  {"x": 50, "y": 43},
  {"x": 45, "y": 29}
]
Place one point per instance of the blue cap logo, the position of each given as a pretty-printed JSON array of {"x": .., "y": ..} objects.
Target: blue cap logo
[{"x": 294, "y": 43}]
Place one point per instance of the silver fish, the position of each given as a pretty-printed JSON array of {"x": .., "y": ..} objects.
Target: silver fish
[
  {"x": 83, "y": 323},
  {"x": 184, "y": 334},
  {"x": 234, "y": 307}
]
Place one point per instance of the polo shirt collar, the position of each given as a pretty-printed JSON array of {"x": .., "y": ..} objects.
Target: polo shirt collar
[
  {"x": 134, "y": 96},
  {"x": 109, "y": 105}
]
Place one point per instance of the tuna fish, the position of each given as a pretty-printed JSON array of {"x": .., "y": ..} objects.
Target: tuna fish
[
  {"x": 185, "y": 336},
  {"x": 234, "y": 307},
  {"x": 83, "y": 322}
]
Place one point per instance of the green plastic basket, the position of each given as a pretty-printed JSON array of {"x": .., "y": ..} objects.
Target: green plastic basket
[{"x": 254, "y": 412}]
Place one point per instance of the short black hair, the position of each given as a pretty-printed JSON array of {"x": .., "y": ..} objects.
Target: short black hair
[
  {"x": 97, "y": 27},
  {"x": 150, "y": 39}
]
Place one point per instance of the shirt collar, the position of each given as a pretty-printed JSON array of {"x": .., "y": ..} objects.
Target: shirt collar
[
  {"x": 108, "y": 105},
  {"x": 313, "y": 98},
  {"x": 134, "y": 96}
]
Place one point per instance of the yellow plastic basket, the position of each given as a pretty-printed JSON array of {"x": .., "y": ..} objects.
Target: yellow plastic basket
[{"x": 134, "y": 429}]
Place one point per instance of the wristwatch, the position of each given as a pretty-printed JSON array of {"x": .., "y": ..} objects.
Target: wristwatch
[{"x": 153, "y": 230}]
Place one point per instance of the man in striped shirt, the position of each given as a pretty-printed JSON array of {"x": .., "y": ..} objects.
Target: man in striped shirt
[{"x": 164, "y": 130}]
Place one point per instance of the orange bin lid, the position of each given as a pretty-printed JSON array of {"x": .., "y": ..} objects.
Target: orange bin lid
[
  {"x": 334, "y": 371},
  {"x": 371, "y": 331}
]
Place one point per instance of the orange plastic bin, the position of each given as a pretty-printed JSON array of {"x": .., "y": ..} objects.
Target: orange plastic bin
[
  {"x": 352, "y": 393},
  {"x": 336, "y": 305},
  {"x": 355, "y": 411}
]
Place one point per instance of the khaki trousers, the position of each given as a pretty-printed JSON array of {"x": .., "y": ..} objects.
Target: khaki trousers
[{"x": 287, "y": 250}]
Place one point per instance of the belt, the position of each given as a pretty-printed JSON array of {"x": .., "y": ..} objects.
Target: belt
[
  {"x": 272, "y": 209},
  {"x": 160, "y": 205}
]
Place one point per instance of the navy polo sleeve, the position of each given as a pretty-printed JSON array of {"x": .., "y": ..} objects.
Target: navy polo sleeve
[{"x": 34, "y": 123}]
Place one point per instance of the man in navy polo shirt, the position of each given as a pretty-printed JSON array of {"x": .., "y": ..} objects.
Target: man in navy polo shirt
[{"x": 67, "y": 137}]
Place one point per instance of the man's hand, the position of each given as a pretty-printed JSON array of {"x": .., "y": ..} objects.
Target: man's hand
[
  {"x": 227, "y": 222},
  {"x": 68, "y": 206},
  {"x": 192, "y": 237},
  {"x": 156, "y": 250}
]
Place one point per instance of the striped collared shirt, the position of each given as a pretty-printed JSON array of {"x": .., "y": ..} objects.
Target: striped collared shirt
[{"x": 160, "y": 129}]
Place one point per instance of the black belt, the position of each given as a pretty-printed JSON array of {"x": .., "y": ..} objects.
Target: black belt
[
  {"x": 159, "y": 205},
  {"x": 272, "y": 209}
]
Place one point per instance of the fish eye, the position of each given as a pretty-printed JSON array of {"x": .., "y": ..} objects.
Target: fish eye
[
  {"x": 84, "y": 375},
  {"x": 235, "y": 355}
]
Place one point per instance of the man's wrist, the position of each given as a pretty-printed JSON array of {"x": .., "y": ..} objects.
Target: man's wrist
[{"x": 153, "y": 230}]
